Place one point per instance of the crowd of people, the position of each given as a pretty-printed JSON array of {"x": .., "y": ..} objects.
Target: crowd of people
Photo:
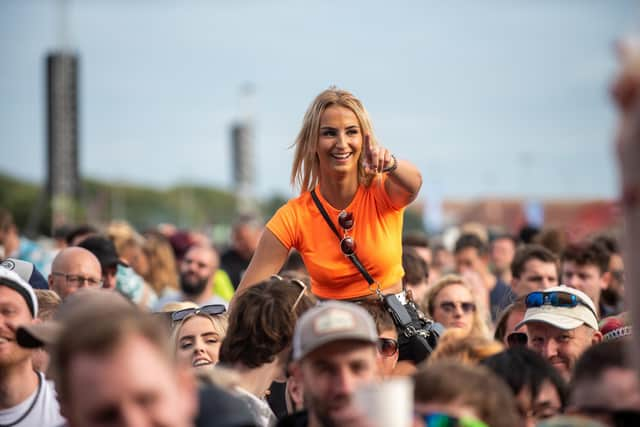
[{"x": 327, "y": 314}]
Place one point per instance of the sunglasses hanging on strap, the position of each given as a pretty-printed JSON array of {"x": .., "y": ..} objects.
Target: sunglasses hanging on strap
[{"x": 348, "y": 253}]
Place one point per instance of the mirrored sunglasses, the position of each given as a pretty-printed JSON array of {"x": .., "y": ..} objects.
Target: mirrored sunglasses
[{"x": 554, "y": 299}]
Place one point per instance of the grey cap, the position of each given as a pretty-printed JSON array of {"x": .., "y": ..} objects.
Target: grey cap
[{"x": 332, "y": 321}]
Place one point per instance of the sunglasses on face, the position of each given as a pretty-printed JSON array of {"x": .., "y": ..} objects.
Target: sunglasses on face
[
  {"x": 517, "y": 339},
  {"x": 450, "y": 306},
  {"x": 554, "y": 299},
  {"x": 211, "y": 310},
  {"x": 347, "y": 244},
  {"x": 437, "y": 419},
  {"x": 387, "y": 346}
]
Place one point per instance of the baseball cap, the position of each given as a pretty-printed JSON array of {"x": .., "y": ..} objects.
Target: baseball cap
[
  {"x": 12, "y": 280},
  {"x": 332, "y": 321},
  {"x": 27, "y": 271},
  {"x": 84, "y": 302},
  {"x": 104, "y": 250},
  {"x": 565, "y": 318}
]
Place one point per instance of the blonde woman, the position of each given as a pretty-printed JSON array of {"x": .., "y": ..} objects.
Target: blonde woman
[
  {"x": 364, "y": 190},
  {"x": 451, "y": 302},
  {"x": 198, "y": 333},
  {"x": 162, "y": 274}
]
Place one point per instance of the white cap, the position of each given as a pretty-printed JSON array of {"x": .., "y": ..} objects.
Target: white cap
[
  {"x": 565, "y": 318},
  {"x": 11, "y": 280}
]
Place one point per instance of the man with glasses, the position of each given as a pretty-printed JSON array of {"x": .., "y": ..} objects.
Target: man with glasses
[
  {"x": 334, "y": 352},
  {"x": 72, "y": 269},
  {"x": 561, "y": 324}
]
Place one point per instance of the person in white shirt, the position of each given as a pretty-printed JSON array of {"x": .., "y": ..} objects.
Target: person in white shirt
[{"x": 26, "y": 398}]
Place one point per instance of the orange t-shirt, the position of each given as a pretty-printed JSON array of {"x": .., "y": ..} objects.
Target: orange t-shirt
[{"x": 377, "y": 231}]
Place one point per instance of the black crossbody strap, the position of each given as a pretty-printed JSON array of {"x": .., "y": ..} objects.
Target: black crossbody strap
[
  {"x": 354, "y": 258},
  {"x": 324, "y": 213}
]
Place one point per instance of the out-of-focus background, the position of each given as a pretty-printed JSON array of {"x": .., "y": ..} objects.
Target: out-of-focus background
[{"x": 166, "y": 112}]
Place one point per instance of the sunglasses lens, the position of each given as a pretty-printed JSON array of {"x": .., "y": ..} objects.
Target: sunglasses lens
[
  {"x": 561, "y": 299},
  {"x": 348, "y": 246},
  {"x": 345, "y": 219},
  {"x": 468, "y": 307},
  {"x": 448, "y": 306},
  {"x": 517, "y": 339},
  {"x": 214, "y": 309},
  {"x": 534, "y": 299},
  {"x": 387, "y": 347},
  {"x": 177, "y": 316}
]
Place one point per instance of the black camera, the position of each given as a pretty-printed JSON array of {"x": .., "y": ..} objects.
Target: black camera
[{"x": 417, "y": 335}]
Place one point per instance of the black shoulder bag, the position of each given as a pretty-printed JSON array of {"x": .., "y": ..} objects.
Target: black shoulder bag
[{"x": 417, "y": 335}]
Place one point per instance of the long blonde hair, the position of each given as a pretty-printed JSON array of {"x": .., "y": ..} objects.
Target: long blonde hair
[
  {"x": 305, "y": 162},
  {"x": 163, "y": 269}
]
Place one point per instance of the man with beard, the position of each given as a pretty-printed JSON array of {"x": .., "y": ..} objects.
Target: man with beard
[
  {"x": 26, "y": 397},
  {"x": 197, "y": 269},
  {"x": 334, "y": 353}
]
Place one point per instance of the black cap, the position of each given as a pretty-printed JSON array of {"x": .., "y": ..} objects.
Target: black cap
[{"x": 104, "y": 250}]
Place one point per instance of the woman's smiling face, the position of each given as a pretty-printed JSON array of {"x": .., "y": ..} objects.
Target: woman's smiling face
[
  {"x": 198, "y": 342},
  {"x": 339, "y": 140}
]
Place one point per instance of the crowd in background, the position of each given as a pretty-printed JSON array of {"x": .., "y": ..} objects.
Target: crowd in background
[{"x": 481, "y": 289}]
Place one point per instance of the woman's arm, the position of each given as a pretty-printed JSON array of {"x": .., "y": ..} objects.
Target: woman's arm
[
  {"x": 403, "y": 184},
  {"x": 404, "y": 180},
  {"x": 269, "y": 257}
]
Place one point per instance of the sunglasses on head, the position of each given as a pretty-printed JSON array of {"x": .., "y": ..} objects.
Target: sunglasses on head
[
  {"x": 211, "y": 310},
  {"x": 438, "y": 419},
  {"x": 450, "y": 306},
  {"x": 554, "y": 299},
  {"x": 347, "y": 244},
  {"x": 517, "y": 339},
  {"x": 297, "y": 282},
  {"x": 387, "y": 346}
]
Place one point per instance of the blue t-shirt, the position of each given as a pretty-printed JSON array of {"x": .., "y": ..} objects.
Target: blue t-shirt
[{"x": 499, "y": 298}]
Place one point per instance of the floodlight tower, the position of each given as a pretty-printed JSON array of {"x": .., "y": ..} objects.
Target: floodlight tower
[
  {"x": 242, "y": 153},
  {"x": 63, "y": 175}
]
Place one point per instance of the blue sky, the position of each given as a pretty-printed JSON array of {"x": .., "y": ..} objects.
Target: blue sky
[{"x": 487, "y": 98}]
